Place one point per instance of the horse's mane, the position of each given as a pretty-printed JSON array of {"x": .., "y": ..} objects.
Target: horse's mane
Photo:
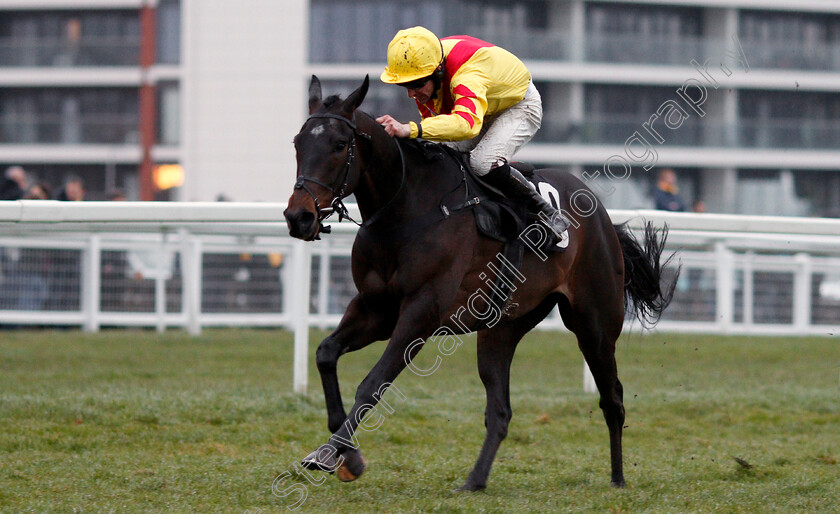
[
  {"x": 432, "y": 151},
  {"x": 429, "y": 150}
]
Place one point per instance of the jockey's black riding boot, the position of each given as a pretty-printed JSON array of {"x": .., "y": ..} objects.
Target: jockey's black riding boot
[{"x": 512, "y": 183}]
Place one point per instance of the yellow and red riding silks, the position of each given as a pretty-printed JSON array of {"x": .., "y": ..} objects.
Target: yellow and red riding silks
[
  {"x": 481, "y": 80},
  {"x": 484, "y": 80}
]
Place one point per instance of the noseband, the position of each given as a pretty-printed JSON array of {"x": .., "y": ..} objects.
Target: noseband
[{"x": 340, "y": 192}]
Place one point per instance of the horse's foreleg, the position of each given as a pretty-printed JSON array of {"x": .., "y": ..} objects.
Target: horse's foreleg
[
  {"x": 416, "y": 322},
  {"x": 362, "y": 324}
]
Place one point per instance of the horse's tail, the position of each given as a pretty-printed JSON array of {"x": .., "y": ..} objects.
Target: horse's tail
[{"x": 644, "y": 291}]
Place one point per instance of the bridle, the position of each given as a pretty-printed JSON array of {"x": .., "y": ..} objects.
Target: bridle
[{"x": 340, "y": 191}]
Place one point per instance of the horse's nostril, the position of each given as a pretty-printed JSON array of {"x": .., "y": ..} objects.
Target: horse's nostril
[
  {"x": 306, "y": 219},
  {"x": 301, "y": 224}
]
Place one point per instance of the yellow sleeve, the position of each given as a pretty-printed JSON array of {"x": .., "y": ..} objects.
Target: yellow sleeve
[{"x": 469, "y": 94}]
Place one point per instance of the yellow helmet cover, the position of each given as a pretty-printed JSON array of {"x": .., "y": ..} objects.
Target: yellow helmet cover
[{"x": 414, "y": 53}]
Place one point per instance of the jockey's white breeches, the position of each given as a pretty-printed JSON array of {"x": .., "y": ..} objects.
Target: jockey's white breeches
[{"x": 504, "y": 133}]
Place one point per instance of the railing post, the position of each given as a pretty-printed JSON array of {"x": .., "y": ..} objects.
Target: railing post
[
  {"x": 91, "y": 283},
  {"x": 160, "y": 285},
  {"x": 301, "y": 279},
  {"x": 724, "y": 284},
  {"x": 749, "y": 292},
  {"x": 802, "y": 292},
  {"x": 191, "y": 278}
]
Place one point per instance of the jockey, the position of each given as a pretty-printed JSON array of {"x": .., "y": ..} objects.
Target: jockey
[{"x": 475, "y": 96}]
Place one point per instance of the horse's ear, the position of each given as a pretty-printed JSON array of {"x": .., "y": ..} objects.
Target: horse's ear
[
  {"x": 356, "y": 97},
  {"x": 314, "y": 94}
]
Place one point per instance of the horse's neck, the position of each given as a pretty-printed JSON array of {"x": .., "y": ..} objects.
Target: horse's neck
[
  {"x": 398, "y": 181},
  {"x": 381, "y": 184}
]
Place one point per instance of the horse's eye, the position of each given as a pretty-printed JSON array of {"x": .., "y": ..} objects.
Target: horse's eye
[{"x": 340, "y": 146}]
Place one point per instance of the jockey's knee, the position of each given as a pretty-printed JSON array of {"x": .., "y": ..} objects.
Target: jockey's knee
[{"x": 482, "y": 164}]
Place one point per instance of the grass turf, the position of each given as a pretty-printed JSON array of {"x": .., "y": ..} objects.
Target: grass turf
[{"x": 132, "y": 421}]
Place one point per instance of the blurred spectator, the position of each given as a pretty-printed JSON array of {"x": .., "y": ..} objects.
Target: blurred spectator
[
  {"x": 14, "y": 185},
  {"x": 73, "y": 190},
  {"x": 699, "y": 206},
  {"x": 39, "y": 191},
  {"x": 72, "y": 44},
  {"x": 665, "y": 196}
]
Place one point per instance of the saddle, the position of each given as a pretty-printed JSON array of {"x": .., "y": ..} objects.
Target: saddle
[{"x": 496, "y": 216}]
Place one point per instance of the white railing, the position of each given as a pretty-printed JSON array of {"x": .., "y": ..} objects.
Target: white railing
[{"x": 195, "y": 265}]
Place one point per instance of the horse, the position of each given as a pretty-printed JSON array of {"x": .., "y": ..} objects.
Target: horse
[{"x": 415, "y": 283}]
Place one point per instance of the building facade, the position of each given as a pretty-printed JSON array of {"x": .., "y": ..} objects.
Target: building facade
[
  {"x": 114, "y": 91},
  {"x": 738, "y": 97}
]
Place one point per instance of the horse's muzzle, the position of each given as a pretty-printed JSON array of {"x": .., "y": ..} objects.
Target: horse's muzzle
[{"x": 302, "y": 223}]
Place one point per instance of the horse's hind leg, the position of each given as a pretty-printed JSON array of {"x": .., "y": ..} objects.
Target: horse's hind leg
[
  {"x": 596, "y": 339},
  {"x": 496, "y": 347}
]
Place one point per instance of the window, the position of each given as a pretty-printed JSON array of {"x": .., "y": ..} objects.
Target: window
[
  {"x": 69, "y": 116},
  {"x": 645, "y": 34},
  {"x": 614, "y": 113},
  {"x": 70, "y": 38},
  {"x": 169, "y": 114},
  {"x": 346, "y": 31},
  {"x": 169, "y": 32},
  {"x": 790, "y": 40},
  {"x": 790, "y": 120}
]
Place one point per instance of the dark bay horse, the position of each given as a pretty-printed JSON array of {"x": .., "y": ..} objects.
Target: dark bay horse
[{"x": 414, "y": 283}]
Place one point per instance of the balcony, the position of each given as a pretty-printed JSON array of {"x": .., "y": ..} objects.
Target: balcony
[
  {"x": 789, "y": 133},
  {"x": 613, "y": 130},
  {"x": 792, "y": 56},
  {"x": 55, "y": 52},
  {"x": 749, "y": 133},
  {"x": 548, "y": 45},
  {"x": 553, "y": 45},
  {"x": 608, "y": 48},
  {"x": 82, "y": 129}
]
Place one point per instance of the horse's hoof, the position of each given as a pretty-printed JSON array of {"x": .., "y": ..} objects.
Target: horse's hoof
[
  {"x": 322, "y": 459},
  {"x": 471, "y": 488},
  {"x": 618, "y": 484},
  {"x": 352, "y": 466}
]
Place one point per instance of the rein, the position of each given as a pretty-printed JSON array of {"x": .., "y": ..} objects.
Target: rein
[{"x": 339, "y": 194}]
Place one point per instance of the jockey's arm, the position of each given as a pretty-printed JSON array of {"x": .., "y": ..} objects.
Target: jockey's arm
[{"x": 465, "y": 120}]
